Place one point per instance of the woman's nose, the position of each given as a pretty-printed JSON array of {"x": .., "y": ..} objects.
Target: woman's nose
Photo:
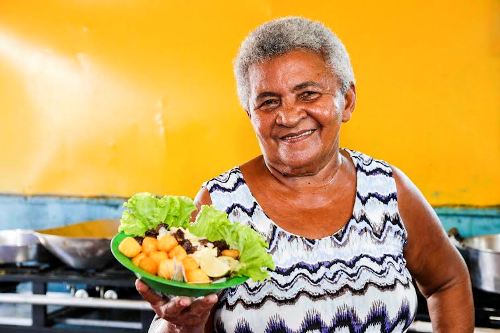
[{"x": 290, "y": 116}]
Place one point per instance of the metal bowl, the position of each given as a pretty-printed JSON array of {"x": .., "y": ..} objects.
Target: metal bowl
[
  {"x": 483, "y": 259},
  {"x": 82, "y": 245},
  {"x": 17, "y": 245},
  {"x": 489, "y": 243}
]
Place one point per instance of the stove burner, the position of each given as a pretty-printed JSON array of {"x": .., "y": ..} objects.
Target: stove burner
[
  {"x": 29, "y": 267},
  {"x": 97, "y": 283}
]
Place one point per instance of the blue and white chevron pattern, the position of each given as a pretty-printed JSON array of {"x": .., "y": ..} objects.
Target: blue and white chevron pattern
[{"x": 355, "y": 280}]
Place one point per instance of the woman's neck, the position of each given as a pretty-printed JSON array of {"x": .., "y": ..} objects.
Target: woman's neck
[{"x": 305, "y": 179}]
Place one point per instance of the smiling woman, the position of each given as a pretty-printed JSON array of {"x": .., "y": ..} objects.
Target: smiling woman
[{"x": 348, "y": 233}]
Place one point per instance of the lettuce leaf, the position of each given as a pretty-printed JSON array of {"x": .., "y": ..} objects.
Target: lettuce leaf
[
  {"x": 145, "y": 211},
  {"x": 254, "y": 259},
  {"x": 179, "y": 210}
]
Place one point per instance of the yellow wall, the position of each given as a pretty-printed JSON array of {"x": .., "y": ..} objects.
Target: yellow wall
[{"x": 118, "y": 96}]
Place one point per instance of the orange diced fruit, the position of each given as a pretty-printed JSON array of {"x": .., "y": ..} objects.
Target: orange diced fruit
[
  {"x": 149, "y": 244},
  {"x": 129, "y": 247},
  {"x": 189, "y": 263},
  {"x": 158, "y": 256},
  {"x": 149, "y": 265},
  {"x": 178, "y": 253},
  {"x": 197, "y": 276},
  {"x": 231, "y": 253},
  {"x": 167, "y": 243},
  {"x": 166, "y": 269},
  {"x": 137, "y": 259}
]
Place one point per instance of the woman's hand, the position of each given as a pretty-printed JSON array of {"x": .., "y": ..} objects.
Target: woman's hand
[{"x": 182, "y": 313}]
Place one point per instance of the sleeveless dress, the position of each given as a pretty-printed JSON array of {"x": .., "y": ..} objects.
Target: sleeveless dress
[{"x": 355, "y": 280}]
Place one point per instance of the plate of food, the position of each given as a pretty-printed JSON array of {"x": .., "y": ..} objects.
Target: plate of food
[{"x": 157, "y": 242}]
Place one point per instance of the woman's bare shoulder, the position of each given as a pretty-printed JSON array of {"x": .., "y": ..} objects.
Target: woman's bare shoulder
[
  {"x": 416, "y": 212},
  {"x": 202, "y": 198}
]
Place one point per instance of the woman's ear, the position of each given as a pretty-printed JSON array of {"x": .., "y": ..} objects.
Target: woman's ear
[{"x": 349, "y": 103}]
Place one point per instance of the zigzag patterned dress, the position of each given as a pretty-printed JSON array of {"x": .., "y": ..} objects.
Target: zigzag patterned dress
[{"x": 353, "y": 281}]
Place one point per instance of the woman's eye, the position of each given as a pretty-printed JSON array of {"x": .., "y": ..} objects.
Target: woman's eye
[
  {"x": 309, "y": 95},
  {"x": 269, "y": 103}
]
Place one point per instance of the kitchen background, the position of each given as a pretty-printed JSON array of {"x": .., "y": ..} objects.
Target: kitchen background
[{"x": 102, "y": 99}]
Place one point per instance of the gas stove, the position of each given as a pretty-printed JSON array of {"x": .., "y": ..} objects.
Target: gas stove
[{"x": 50, "y": 297}]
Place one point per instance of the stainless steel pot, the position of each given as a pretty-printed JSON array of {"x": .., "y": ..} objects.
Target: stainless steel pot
[
  {"x": 18, "y": 245},
  {"x": 82, "y": 245},
  {"x": 483, "y": 258},
  {"x": 482, "y": 254}
]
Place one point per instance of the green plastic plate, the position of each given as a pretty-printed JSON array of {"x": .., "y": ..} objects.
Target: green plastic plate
[{"x": 169, "y": 287}]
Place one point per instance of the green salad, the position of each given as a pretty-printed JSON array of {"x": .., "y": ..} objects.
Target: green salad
[{"x": 212, "y": 233}]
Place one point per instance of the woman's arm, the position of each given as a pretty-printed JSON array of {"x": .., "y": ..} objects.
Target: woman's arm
[
  {"x": 438, "y": 268},
  {"x": 181, "y": 314}
]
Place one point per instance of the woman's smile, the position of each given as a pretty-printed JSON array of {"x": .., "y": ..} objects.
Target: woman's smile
[{"x": 297, "y": 136}]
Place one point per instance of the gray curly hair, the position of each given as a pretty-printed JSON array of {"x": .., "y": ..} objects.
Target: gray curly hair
[{"x": 285, "y": 34}]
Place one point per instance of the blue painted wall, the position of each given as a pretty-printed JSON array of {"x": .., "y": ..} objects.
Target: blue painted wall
[
  {"x": 39, "y": 212},
  {"x": 470, "y": 221}
]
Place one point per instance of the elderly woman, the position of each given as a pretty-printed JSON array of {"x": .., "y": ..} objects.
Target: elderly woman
[{"x": 347, "y": 232}]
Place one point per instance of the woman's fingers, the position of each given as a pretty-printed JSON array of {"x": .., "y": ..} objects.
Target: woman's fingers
[
  {"x": 188, "y": 312},
  {"x": 153, "y": 298},
  {"x": 184, "y": 311},
  {"x": 202, "y": 306},
  {"x": 176, "y": 306}
]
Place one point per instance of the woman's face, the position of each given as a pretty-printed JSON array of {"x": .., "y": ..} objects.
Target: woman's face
[{"x": 296, "y": 110}]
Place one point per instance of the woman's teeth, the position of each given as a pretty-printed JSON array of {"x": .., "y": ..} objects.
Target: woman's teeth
[{"x": 298, "y": 136}]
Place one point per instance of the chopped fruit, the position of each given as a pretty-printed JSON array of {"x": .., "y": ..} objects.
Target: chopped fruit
[
  {"x": 179, "y": 235},
  {"x": 152, "y": 233},
  {"x": 220, "y": 280},
  {"x": 233, "y": 263},
  {"x": 214, "y": 267},
  {"x": 166, "y": 269},
  {"x": 221, "y": 245},
  {"x": 231, "y": 253},
  {"x": 205, "y": 252},
  {"x": 178, "y": 253},
  {"x": 137, "y": 259},
  {"x": 179, "y": 273},
  {"x": 149, "y": 244},
  {"x": 197, "y": 276},
  {"x": 149, "y": 265},
  {"x": 189, "y": 263},
  {"x": 167, "y": 243},
  {"x": 158, "y": 256},
  {"x": 188, "y": 246},
  {"x": 129, "y": 247}
]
